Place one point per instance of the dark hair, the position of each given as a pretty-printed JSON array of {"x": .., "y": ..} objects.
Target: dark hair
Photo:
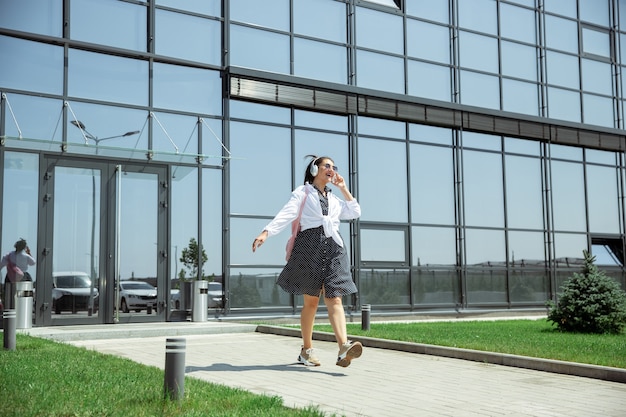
[
  {"x": 317, "y": 160},
  {"x": 20, "y": 245}
]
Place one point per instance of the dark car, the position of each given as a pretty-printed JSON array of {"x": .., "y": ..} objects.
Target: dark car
[{"x": 73, "y": 291}]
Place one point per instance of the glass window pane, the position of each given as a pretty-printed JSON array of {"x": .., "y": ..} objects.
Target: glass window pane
[
  {"x": 484, "y": 200},
  {"x": 188, "y": 37},
  {"x": 517, "y": 23},
  {"x": 31, "y": 66},
  {"x": 37, "y": 117},
  {"x": 259, "y": 49},
  {"x": 434, "y": 246},
  {"x": 562, "y": 7},
  {"x": 561, "y": 34},
  {"x": 208, "y": 7},
  {"x": 526, "y": 249},
  {"x": 562, "y": 70},
  {"x": 212, "y": 141},
  {"x": 259, "y": 112},
  {"x": 568, "y": 247},
  {"x": 384, "y": 287},
  {"x": 600, "y": 157},
  {"x": 174, "y": 132},
  {"x": 375, "y": 196},
  {"x": 432, "y": 185},
  {"x": 523, "y": 146},
  {"x": 380, "y": 72},
  {"x": 269, "y": 13},
  {"x": 563, "y": 104},
  {"x": 334, "y": 146},
  {"x": 568, "y": 196},
  {"x": 431, "y": 286},
  {"x": 528, "y": 285},
  {"x": 524, "y": 192},
  {"x": 602, "y": 197},
  {"x": 480, "y": 90},
  {"x": 320, "y": 61},
  {"x": 519, "y": 61},
  {"x": 90, "y": 21},
  {"x": 482, "y": 141},
  {"x": 317, "y": 120},
  {"x": 381, "y": 127},
  {"x": 258, "y": 148},
  {"x": 392, "y": 251},
  {"x": 596, "y": 42},
  {"x": 597, "y": 77},
  {"x": 478, "y": 52},
  {"x": 108, "y": 78},
  {"x": 572, "y": 153},
  {"x": 484, "y": 247},
  {"x": 520, "y": 97},
  {"x": 598, "y": 110},
  {"x": 212, "y": 229},
  {"x": 438, "y": 46},
  {"x": 184, "y": 212},
  {"x": 379, "y": 30},
  {"x": 324, "y": 19},
  {"x": 478, "y": 15},
  {"x": 188, "y": 89},
  {"x": 436, "y": 10},
  {"x": 595, "y": 11},
  {"x": 430, "y": 134},
  {"x": 429, "y": 81},
  {"x": 37, "y": 16}
]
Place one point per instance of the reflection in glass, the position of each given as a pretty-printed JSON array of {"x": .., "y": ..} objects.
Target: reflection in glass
[
  {"x": 430, "y": 134},
  {"x": 108, "y": 78},
  {"x": 31, "y": 66},
  {"x": 212, "y": 228},
  {"x": 37, "y": 16},
  {"x": 255, "y": 288},
  {"x": 597, "y": 77},
  {"x": 174, "y": 133},
  {"x": 320, "y": 19},
  {"x": 379, "y": 186},
  {"x": 432, "y": 286},
  {"x": 478, "y": 15},
  {"x": 21, "y": 183},
  {"x": 482, "y": 141},
  {"x": 517, "y": 23},
  {"x": 184, "y": 211},
  {"x": 524, "y": 196},
  {"x": 213, "y": 147},
  {"x": 259, "y": 112},
  {"x": 429, "y": 81},
  {"x": 522, "y": 146},
  {"x": 434, "y": 246},
  {"x": 274, "y": 13},
  {"x": 478, "y": 52},
  {"x": 381, "y": 127},
  {"x": 482, "y": 182},
  {"x": 562, "y": 70},
  {"x": 600, "y": 157},
  {"x": 598, "y": 110},
  {"x": 480, "y": 90},
  {"x": 188, "y": 37},
  {"x": 528, "y": 285},
  {"x": 572, "y": 153},
  {"x": 393, "y": 249},
  {"x": 486, "y": 286},
  {"x": 526, "y": 249},
  {"x": 438, "y": 46},
  {"x": 595, "y": 11},
  {"x": 380, "y": 72},
  {"x": 568, "y": 249},
  {"x": 484, "y": 247},
  {"x": 76, "y": 238},
  {"x": 259, "y": 49},
  {"x": 596, "y": 42},
  {"x": 187, "y": 89},
  {"x": 436, "y": 10},
  {"x": 563, "y": 104},
  {"x": 384, "y": 287},
  {"x": 602, "y": 199},
  {"x": 260, "y": 150},
  {"x": 519, "y": 61},
  {"x": 568, "y": 197},
  {"x": 563, "y": 7},
  {"x": 561, "y": 34},
  {"x": 321, "y": 61},
  {"x": 323, "y": 121},
  {"x": 379, "y": 30},
  {"x": 432, "y": 185},
  {"x": 37, "y": 117},
  {"x": 91, "y": 22}
]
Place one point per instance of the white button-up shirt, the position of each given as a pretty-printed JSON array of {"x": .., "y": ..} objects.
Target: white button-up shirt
[{"x": 312, "y": 216}]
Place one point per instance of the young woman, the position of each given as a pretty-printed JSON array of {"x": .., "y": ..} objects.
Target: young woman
[
  {"x": 319, "y": 263},
  {"x": 22, "y": 258}
]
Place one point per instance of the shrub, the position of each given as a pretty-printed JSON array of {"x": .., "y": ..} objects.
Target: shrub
[{"x": 591, "y": 302}]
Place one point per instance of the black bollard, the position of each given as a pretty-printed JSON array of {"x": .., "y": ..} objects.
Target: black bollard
[
  {"x": 365, "y": 316},
  {"x": 175, "y": 369},
  {"x": 8, "y": 321}
]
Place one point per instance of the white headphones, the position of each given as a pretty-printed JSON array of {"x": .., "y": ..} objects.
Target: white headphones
[{"x": 313, "y": 170}]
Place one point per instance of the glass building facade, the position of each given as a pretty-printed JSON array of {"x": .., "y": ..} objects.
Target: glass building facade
[{"x": 484, "y": 140}]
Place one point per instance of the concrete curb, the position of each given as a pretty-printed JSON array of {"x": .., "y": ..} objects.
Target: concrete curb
[{"x": 547, "y": 365}]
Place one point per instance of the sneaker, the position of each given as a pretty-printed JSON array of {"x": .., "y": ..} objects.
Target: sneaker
[
  {"x": 307, "y": 357},
  {"x": 349, "y": 351}
]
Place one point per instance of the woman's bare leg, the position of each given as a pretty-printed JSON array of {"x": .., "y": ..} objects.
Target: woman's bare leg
[
  {"x": 337, "y": 318},
  {"x": 307, "y": 319}
]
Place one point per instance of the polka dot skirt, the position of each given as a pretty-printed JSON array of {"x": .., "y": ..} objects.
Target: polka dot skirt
[{"x": 317, "y": 262}]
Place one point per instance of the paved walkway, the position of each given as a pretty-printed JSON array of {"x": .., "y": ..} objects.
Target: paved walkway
[{"x": 381, "y": 383}]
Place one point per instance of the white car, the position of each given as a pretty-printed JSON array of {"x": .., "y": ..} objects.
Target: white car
[
  {"x": 73, "y": 291},
  {"x": 137, "y": 295},
  {"x": 215, "y": 295}
]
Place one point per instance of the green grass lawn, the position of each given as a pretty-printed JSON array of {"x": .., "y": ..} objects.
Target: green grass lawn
[
  {"x": 535, "y": 338},
  {"x": 45, "y": 378}
]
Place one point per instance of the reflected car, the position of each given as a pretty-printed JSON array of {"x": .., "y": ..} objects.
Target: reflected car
[
  {"x": 137, "y": 295},
  {"x": 72, "y": 291},
  {"x": 215, "y": 295}
]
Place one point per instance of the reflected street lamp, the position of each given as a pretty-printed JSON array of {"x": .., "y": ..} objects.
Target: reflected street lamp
[{"x": 97, "y": 140}]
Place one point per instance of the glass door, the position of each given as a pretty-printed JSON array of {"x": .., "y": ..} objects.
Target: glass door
[{"x": 104, "y": 227}]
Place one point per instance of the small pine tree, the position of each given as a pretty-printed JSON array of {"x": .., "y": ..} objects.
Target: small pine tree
[{"x": 591, "y": 302}]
